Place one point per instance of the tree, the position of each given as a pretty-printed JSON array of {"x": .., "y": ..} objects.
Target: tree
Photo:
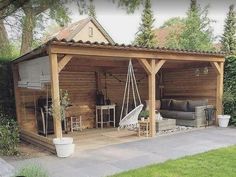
[
  {"x": 91, "y": 9},
  {"x": 228, "y": 39},
  {"x": 196, "y": 33},
  {"x": 8, "y": 7},
  {"x": 173, "y": 29},
  {"x": 129, "y": 5},
  {"x": 32, "y": 11},
  {"x": 173, "y": 21},
  {"x": 145, "y": 35}
]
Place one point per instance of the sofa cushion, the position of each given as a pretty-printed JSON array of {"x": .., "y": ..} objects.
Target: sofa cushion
[
  {"x": 194, "y": 103},
  {"x": 165, "y": 103},
  {"x": 179, "y": 105},
  {"x": 177, "y": 115}
]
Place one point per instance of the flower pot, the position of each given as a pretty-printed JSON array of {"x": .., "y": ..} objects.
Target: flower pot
[
  {"x": 223, "y": 120},
  {"x": 64, "y": 146}
]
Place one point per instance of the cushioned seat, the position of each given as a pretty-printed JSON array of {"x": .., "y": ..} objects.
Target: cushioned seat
[
  {"x": 186, "y": 112},
  {"x": 178, "y": 114}
]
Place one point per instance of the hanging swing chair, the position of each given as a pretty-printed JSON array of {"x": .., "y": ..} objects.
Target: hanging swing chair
[{"x": 130, "y": 119}]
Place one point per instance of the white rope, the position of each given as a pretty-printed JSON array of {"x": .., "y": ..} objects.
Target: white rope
[
  {"x": 122, "y": 108},
  {"x": 136, "y": 86},
  {"x": 127, "y": 106},
  {"x": 132, "y": 83},
  {"x": 130, "y": 120}
]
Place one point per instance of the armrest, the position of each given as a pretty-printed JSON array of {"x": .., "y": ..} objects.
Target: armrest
[{"x": 200, "y": 111}]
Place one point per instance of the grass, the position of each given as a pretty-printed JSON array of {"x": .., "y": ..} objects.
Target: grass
[{"x": 216, "y": 163}]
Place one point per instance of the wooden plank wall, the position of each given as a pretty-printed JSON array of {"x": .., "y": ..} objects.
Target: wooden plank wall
[
  {"x": 115, "y": 88},
  {"x": 81, "y": 88},
  {"x": 28, "y": 99},
  {"x": 184, "y": 84}
]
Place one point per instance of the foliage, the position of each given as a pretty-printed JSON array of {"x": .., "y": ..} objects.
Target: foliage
[
  {"x": 9, "y": 135},
  {"x": 230, "y": 88},
  {"x": 64, "y": 103},
  {"x": 129, "y": 5},
  {"x": 8, "y": 7},
  {"x": 172, "y": 22},
  {"x": 228, "y": 39},
  {"x": 197, "y": 33},
  {"x": 145, "y": 36},
  {"x": 217, "y": 163},
  {"x": 144, "y": 114},
  {"x": 32, "y": 171},
  {"x": 35, "y": 14},
  {"x": 91, "y": 9}
]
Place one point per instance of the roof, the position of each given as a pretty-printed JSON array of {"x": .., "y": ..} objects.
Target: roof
[
  {"x": 161, "y": 34},
  {"x": 72, "y": 30},
  {"x": 42, "y": 50}
]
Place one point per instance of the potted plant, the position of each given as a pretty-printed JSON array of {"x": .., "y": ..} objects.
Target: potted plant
[
  {"x": 64, "y": 145},
  {"x": 144, "y": 114},
  {"x": 228, "y": 99}
]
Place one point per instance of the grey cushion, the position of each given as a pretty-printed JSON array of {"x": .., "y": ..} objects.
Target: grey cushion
[
  {"x": 177, "y": 115},
  {"x": 179, "y": 105},
  {"x": 165, "y": 103},
  {"x": 194, "y": 103}
]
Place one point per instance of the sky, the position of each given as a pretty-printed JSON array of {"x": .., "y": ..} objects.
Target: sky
[{"x": 122, "y": 26}]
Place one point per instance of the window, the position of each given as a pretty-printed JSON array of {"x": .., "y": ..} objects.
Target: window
[{"x": 90, "y": 32}]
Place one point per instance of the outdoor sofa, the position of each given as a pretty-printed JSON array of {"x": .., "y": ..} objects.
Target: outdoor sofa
[{"x": 186, "y": 112}]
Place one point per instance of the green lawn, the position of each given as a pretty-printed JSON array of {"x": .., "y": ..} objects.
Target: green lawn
[{"x": 216, "y": 163}]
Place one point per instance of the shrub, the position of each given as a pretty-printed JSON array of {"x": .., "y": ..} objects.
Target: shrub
[
  {"x": 32, "y": 171},
  {"x": 230, "y": 87},
  {"x": 9, "y": 135}
]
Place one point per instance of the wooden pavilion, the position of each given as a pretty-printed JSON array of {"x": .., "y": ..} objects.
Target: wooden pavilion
[{"x": 79, "y": 67}]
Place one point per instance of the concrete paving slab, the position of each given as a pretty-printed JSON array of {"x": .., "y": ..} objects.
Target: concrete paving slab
[{"x": 121, "y": 157}]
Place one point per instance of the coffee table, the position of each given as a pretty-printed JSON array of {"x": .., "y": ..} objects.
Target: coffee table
[{"x": 165, "y": 124}]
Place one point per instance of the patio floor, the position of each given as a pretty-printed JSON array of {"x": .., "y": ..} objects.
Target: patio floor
[
  {"x": 116, "y": 158},
  {"x": 97, "y": 138}
]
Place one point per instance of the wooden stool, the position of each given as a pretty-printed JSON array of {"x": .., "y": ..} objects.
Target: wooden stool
[{"x": 144, "y": 127}]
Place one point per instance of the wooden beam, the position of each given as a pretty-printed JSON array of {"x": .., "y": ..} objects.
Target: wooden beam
[
  {"x": 112, "y": 53},
  {"x": 219, "y": 90},
  {"x": 158, "y": 65},
  {"x": 55, "y": 92},
  {"x": 17, "y": 93},
  {"x": 146, "y": 65},
  {"x": 152, "y": 98},
  {"x": 63, "y": 62},
  {"x": 216, "y": 67}
]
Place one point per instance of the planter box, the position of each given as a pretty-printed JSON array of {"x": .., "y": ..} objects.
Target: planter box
[{"x": 165, "y": 124}]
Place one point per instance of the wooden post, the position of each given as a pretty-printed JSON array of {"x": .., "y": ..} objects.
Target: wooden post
[
  {"x": 55, "y": 92},
  {"x": 16, "y": 92},
  {"x": 152, "y": 68},
  {"x": 219, "y": 91},
  {"x": 152, "y": 98},
  {"x": 219, "y": 69}
]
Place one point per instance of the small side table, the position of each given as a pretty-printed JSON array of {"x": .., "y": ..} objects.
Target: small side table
[
  {"x": 100, "y": 119},
  {"x": 144, "y": 127}
]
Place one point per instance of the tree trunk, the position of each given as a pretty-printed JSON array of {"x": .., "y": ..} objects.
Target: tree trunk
[{"x": 27, "y": 30}]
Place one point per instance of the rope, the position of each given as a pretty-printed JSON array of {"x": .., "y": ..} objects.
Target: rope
[
  {"x": 130, "y": 82},
  {"x": 123, "y": 103},
  {"x": 136, "y": 86}
]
